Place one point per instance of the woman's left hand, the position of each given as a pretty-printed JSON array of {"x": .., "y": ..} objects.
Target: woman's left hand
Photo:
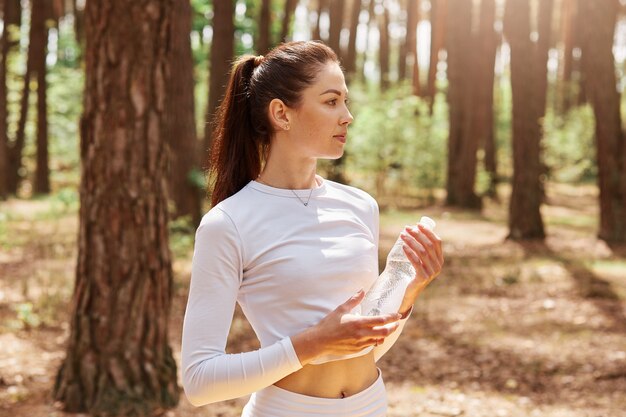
[{"x": 423, "y": 248}]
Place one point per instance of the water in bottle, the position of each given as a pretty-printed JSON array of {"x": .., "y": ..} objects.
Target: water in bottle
[{"x": 387, "y": 292}]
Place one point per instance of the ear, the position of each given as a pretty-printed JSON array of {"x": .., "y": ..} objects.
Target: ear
[{"x": 278, "y": 115}]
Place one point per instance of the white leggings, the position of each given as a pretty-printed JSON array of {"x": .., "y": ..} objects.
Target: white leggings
[{"x": 273, "y": 401}]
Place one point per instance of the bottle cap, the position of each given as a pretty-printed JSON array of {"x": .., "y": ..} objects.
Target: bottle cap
[{"x": 428, "y": 222}]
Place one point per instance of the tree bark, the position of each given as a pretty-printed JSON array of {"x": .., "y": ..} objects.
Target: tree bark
[
  {"x": 39, "y": 43},
  {"x": 118, "y": 359},
  {"x": 411, "y": 44},
  {"x": 568, "y": 13},
  {"x": 371, "y": 21},
  {"x": 222, "y": 52},
  {"x": 355, "y": 12},
  {"x": 528, "y": 64},
  {"x": 265, "y": 21},
  {"x": 180, "y": 126},
  {"x": 79, "y": 24},
  {"x": 383, "y": 55},
  {"x": 290, "y": 7},
  {"x": 4, "y": 138},
  {"x": 11, "y": 15},
  {"x": 461, "y": 145},
  {"x": 322, "y": 6},
  {"x": 407, "y": 58},
  {"x": 14, "y": 176},
  {"x": 438, "y": 18},
  {"x": 598, "y": 26},
  {"x": 482, "y": 102},
  {"x": 336, "y": 24},
  {"x": 403, "y": 19}
]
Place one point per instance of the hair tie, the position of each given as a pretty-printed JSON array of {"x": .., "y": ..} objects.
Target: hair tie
[{"x": 258, "y": 60}]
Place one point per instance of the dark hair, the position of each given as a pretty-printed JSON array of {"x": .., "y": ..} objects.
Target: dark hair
[{"x": 242, "y": 129}]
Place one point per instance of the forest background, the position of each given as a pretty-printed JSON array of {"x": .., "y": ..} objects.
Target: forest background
[{"x": 503, "y": 120}]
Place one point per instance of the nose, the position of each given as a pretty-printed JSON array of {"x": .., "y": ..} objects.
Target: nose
[{"x": 347, "y": 118}]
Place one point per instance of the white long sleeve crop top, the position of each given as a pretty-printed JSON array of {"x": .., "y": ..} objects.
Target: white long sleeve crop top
[{"x": 288, "y": 265}]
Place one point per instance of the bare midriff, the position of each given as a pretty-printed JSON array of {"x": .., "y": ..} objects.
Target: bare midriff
[{"x": 337, "y": 379}]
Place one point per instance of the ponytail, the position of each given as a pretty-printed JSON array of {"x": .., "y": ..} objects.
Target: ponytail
[
  {"x": 235, "y": 156},
  {"x": 241, "y": 137}
]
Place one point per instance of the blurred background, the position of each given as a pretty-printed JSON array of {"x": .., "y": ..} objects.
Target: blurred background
[{"x": 501, "y": 119}]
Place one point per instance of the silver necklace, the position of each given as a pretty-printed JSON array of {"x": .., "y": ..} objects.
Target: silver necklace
[
  {"x": 294, "y": 193},
  {"x": 301, "y": 200}
]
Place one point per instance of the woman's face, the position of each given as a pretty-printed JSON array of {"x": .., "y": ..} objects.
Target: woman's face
[{"x": 319, "y": 125}]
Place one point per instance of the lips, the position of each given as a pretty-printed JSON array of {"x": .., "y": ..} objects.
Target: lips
[{"x": 341, "y": 138}]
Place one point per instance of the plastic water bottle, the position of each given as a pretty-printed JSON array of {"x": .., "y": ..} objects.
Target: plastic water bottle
[{"x": 387, "y": 292}]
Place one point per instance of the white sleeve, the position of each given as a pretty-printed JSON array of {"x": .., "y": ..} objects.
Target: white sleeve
[{"x": 208, "y": 373}]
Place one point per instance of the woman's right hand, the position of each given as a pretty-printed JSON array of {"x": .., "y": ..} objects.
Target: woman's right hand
[{"x": 342, "y": 333}]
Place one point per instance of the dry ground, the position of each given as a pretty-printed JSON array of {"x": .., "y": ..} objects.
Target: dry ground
[{"x": 509, "y": 329}]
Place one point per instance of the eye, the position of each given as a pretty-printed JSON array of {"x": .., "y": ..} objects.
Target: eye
[
  {"x": 347, "y": 101},
  {"x": 332, "y": 102}
]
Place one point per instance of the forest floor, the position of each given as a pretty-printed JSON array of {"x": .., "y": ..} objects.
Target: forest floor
[{"x": 508, "y": 329}]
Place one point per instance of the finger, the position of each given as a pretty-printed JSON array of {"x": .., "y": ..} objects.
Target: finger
[
  {"x": 371, "y": 321},
  {"x": 386, "y": 330},
  {"x": 353, "y": 301},
  {"x": 417, "y": 264},
  {"x": 433, "y": 257},
  {"x": 374, "y": 341},
  {"x": 411, "y": 239},
  {"x": 424, "y": 240},
  {"x": 436, "y": 240}
]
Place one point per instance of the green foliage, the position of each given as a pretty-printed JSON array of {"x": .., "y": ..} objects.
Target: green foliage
[
  {"x": 181, "y": 231},
  {"x": 26, "y": 316},
  {"x": 503, "y": 117},
  {"x": 569, "y": 149},
  {"x": 68, "y": 50},
  {"x": 65, "y": 89},
  {"x": 393, "y": 140}
]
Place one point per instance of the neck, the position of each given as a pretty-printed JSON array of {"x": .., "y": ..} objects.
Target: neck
[{"x": 289, "y": 172}]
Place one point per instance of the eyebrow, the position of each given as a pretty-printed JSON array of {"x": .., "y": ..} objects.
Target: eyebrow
[{"x": 332, "y": 90}]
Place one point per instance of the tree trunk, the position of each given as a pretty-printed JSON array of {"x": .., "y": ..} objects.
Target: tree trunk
[
  {"x": 118, "y": 359},
  {"x": 438, "y": 18},
  {"x": 290, "y": 7},
  {"x": 411, "y": 44},
  {"x": 79, "y": 24},
  {"x": 265, "y": 21},
  {"x": 4, "y": 138},
  {"x": 482, "y": 101},
  {"x": 527, "y": 67},
  {"x": 355, "y": 12},
  {"x": 180, "y": 126},
  {"x": 383, "y": 56},
  {"x": 222, "y": 52},
  {"x": 14, "y": 176},
  {"x": 461, "y": 145},
  {"x": 336, "y": 24},
  {"x": 598, "y": 26},
  {"x": 11, "y": 15},
  {"x": 407, "y": 58},
  {"x": 568, "y": 13},
  {"x": 322, "y": 5},
  {"x": 39, "y": 44},
  {"x": 371, "y": 21},
  {"x": 403, "y": 19}
]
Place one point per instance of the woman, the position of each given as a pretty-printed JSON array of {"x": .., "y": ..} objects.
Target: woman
[{"x": 295, "y": 250}]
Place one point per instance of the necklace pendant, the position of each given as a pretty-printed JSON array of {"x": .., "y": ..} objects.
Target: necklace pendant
[{"x": 306, "y": 204}]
